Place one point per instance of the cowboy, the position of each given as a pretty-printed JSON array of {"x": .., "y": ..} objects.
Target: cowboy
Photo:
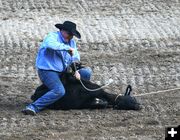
[{"x": 57, "y": 51}]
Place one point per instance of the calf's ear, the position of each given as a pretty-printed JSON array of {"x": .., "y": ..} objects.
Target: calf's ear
[{"x": 128, "y": 90}]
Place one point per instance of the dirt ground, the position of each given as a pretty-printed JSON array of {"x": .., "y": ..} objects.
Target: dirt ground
[{"x": 134, "y": 42}]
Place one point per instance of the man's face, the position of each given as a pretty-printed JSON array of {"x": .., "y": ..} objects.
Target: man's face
[{"x": 67, "y": 35}]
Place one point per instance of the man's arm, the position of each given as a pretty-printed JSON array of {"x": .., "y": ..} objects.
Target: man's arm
[
  {"x": 51, "y": 42},
  {"x": 76, "y": 56}
]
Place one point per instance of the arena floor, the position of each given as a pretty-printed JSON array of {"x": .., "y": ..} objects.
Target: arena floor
[{"x": 134, "y": 42}]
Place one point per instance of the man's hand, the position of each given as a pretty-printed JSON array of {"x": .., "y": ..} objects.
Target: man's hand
[
  {"x": 71, "y": 51},
  {"x": 77, "y": 75}
]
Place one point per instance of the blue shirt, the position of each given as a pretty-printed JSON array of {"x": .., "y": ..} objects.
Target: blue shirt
[{"x": 54, "y": 45}]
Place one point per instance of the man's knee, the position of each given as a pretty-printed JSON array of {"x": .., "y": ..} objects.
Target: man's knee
[
  {"x": 86, "y": 73},
  {"x": 89, "y": 71}
]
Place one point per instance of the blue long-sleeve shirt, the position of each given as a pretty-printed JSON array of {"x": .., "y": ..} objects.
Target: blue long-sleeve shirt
[{"x": 48, "y": 57}]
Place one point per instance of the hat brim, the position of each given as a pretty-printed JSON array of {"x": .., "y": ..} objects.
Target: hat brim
[{"x": 74, "y": 32}]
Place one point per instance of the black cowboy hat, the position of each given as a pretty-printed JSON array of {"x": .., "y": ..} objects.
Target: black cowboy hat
[{"x": 70, "y": 27}]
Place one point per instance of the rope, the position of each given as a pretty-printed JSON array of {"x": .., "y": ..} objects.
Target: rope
[
  {"x": 96, "y": 88},
  {"x": 155, "y": 92},
  {"x": 110, "y": 81},
  {"x": 150, "y": 93}
]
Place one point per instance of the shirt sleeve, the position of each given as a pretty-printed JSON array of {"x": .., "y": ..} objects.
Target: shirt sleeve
[
  {"x": 76, "y": 56},
  {"x": 51, "y": 42}
]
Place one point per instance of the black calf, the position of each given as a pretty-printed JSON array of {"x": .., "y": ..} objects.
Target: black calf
[{"x": 77, "y": 97}]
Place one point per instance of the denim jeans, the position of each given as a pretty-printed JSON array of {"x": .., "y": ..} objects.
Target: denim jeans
[{"x": 56, "y": 89}]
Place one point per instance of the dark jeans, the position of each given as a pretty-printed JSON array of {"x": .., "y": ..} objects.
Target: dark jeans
[{"x": 56, "y": 89}]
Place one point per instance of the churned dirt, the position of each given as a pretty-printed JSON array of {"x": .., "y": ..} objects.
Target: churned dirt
[{"x": 134, "y": 42}]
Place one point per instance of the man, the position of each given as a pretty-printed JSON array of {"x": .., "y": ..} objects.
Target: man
[{"x": 57, "y": 51}]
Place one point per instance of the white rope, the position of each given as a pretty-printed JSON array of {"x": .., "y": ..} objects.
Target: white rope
[
  {"x": 96, "y": 88},
  {"x": 110, "y": 81},
  {"x": 150, "y": 93},
  {"x": 155, "y": 92}
]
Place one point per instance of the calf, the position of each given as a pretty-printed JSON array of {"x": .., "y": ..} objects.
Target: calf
[{"x": 77, "y": 97}]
